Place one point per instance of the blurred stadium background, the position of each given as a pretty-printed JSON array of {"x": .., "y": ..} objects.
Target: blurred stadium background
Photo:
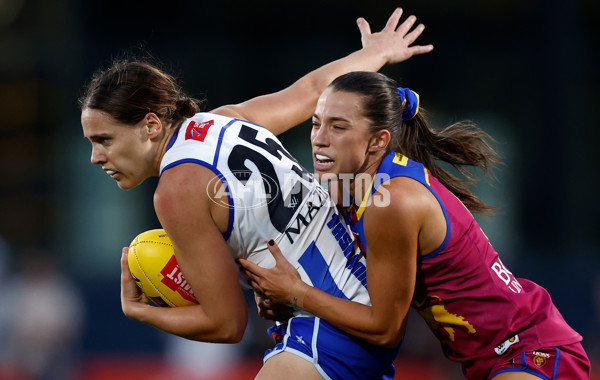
[{"x": 523, "y": 70}]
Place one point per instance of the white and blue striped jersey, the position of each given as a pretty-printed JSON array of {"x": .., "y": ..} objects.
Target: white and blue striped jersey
[{"x": 270, "y": 195}]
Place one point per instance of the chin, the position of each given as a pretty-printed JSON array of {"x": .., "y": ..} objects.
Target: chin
[{"x": 124, "y": 185}]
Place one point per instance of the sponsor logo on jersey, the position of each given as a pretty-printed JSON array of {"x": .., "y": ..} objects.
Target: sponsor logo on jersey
[
  {"x": 341, "y": 234},
  {"x": 506, "y": 276},
  {"x": 307, "y": 214},
  {"x": 173, "y": 278},
  {"x": 503, "y": 347},
  {"x": 197, "y": 131}
]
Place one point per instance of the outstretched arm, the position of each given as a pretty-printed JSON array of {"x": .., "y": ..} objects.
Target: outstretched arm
[{"x": 289, "y": 107}]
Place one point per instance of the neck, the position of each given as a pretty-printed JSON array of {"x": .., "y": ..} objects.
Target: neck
[
  {"x": 360, "y": 181},
  {"x": 170, "y": 130}
]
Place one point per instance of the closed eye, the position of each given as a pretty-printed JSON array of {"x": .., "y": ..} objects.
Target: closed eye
[{"x": 102, "y": 140}]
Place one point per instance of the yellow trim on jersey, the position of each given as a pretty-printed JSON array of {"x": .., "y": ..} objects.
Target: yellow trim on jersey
[
  {"x": 363, "y": 204},
  {"x": 426, "y": 175},
  {"x": 400, "y": 159}
]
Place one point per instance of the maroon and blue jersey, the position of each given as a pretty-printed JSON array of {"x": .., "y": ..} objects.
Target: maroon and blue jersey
[{"x": 475, "y": 306}]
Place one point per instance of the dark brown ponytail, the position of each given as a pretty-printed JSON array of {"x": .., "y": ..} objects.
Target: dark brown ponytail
[{"x": 461, "y": 145}]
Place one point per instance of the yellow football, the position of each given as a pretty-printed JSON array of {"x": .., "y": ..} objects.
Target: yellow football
[{"x": 153, "y": 265}]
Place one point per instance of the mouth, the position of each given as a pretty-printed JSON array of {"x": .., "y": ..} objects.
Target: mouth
[
  {"x": 322, "y": 162},
  {"x": 112, "y": 173}
]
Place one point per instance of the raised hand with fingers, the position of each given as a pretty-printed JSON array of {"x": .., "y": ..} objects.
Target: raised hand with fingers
[{"x": 394, "y": 41}]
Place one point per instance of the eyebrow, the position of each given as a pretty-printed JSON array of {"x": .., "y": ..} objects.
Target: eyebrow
[
  {"x": 333, "y": 118},
  {"x": 96, "y": 136}
]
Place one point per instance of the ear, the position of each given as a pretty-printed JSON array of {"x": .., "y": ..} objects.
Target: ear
[
  {"x": 153, "y": 125},
  {"x": 379, "y": 141}
]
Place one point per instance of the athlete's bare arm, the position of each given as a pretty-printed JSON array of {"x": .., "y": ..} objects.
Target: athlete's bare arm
[
  {"x": 291, "y": 106},
  {"x": 204, "y": 258},
  {"x": 391, "y": 273}
]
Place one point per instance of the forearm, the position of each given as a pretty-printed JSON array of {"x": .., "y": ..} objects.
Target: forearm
[
  {"x": 370, "y": 58},
  {"x": 366, "y": 322},
  {"x": 204, "y": 260},
  {"x": 303, "y": 95},
  {"x": 191, "y": 322},
  {"x": 283, "y": 110},
  {"x": 289, "y": 107}
]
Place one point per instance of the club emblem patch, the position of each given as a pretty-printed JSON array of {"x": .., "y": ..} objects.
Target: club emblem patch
[
  {"x": 539, "y": 358},
  {"x": 197, "y": 131}
]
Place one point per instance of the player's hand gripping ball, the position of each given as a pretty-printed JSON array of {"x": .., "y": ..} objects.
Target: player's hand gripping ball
[{"x": 153, "y": 265}]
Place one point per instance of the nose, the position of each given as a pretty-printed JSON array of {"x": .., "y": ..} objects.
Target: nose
[
  {"x": 98, "y": 156},
  {"x": 319, "y": 136}
]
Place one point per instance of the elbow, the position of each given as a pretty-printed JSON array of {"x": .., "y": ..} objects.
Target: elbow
[
  {"x": 389, "y": 336},
  {"x": 234, "y": 334},
  {"x": 388, "y": 340},
  {"x": 232, "y": 331},
  {"x": 231, "y": 338},
  {"x": 227, "y": 331}
]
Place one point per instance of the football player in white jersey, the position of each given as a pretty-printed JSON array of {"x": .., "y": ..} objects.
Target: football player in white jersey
[{"x": 226, "y": 186}]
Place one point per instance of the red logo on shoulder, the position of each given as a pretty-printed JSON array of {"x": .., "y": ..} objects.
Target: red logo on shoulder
[{"x": 197, "y": 131}]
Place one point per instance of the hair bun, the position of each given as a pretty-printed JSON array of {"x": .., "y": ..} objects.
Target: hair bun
[{"x": 186, "y": 107}]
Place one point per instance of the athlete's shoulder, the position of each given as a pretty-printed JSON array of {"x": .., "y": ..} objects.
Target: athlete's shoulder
[
  {"x": 178, "y": 189},
  {"x": 395, "y": 165},
  {"x": 398, "y": 189},
  {"x": 205, "y": 120},
  {"x": 400, "y": 194},
  {"x": 395, "y": 214},
  {"x": 395, "y": 162},
  {"x": 197, "y": 140}
]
